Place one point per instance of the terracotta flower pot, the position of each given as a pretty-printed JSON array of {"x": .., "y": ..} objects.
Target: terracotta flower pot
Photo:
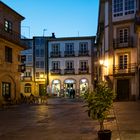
[{"x": 104, "y": 135}]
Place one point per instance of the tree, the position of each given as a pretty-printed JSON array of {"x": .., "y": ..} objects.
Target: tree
[{"x": 99, "y": 102}]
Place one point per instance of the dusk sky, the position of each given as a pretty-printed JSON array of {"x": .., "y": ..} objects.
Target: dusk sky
[{"x": 67, "y": 18}]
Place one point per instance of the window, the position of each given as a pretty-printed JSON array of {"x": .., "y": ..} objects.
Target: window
[
  {"x": 55, "y": 65},
  {"x": 69, "y": 65},
  {"x": 8, "y": 26},
  {"x": 29, "y": 58},
  {"x": 83, "y": 65},
  {"x": 123, "y": 35},
  {"x": 123, "y": 7},
  {"x": 55, "y": 48},
  {"x": 129, "y": 7},
  {"x": 8, "y": 54},
  {"x": 83, "y": 47},
  {"x": 27, "y": 74},
  {"x": 69, "y": 48},
  {"x": 27, "y": 88},
  {"x": 39, "y": 64},
  {"x": 123, "y": 61},
  {"x": 39, "y": 52},
  {"x": 118, "y": 8},
  {"x": 37, "y": 74},
  {"x": 6, "y": 89}
]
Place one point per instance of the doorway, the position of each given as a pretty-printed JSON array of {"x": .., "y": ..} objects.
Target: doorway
[
  {"x": 42, "y": 89},
  {"x": 123, "y": 89},
  {"x": 68, "y": 86}
]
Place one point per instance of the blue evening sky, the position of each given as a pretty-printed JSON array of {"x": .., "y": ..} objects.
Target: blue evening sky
[{"x": 67, "y": 18}]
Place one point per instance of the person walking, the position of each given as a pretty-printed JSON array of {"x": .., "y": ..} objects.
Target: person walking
[{"x": 73, "y": 93}]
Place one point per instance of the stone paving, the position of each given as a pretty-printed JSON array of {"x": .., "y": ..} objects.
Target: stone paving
[{"x": 66, "y": 119}]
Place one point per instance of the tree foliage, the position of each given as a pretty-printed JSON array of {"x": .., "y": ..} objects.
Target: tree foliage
[{"x": 99, "y": 102}]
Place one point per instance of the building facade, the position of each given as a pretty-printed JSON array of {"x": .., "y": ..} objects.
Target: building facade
[
  {"x": 10, "y": 47},
  {"x": 118, "y": 47},
  {"x": 70, "y": 65},
  {"x": 27, "y": 79}
]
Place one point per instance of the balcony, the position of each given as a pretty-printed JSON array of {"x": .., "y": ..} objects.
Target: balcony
[
  {"x": 27, "y": 78},
  {"x": 127, "y": 43},
  {"x": 84, "y": 53},
  {"x": 55, "y": 71},
  {"x": 83, "y": 70},
  {"x": 69, "y": 53},
  {"x": 69, "y": 71},
  {"x": 12, "y": 37},
  {"x": 129, "y": 69},
  {"x": 55, "y": 54}
]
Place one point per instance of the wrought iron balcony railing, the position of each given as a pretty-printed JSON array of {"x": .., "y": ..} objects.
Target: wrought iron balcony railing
[
  {"x": 11, "y": 36},
  {"x": 69, "y": 53},
  {"x": 84, "y": 53},
  {"x": 126, "y": 43},
  {"x": 83, "y": 70},
  {"x": 125, "y": 69},
  {"x": 69, "y": 71},
  {"x": 55, "y": 71},
  {"x": 27, "y": 78},
  {"x": 55, "y": 54}
]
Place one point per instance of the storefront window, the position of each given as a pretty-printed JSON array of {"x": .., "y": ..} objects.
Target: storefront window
[
  {"x": 56, "y": 87},
  {"x": 83, "y": 86}
]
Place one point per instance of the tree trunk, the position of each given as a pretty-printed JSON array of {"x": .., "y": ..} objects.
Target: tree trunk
[{"x": 101, "y": 125}]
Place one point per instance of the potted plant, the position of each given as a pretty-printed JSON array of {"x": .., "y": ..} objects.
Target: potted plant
[{"x": 99, "y": 103}]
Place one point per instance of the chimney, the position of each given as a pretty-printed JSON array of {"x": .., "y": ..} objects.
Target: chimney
[{"x": 53, "y": 35}]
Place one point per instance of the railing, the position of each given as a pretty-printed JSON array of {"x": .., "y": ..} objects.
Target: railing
[
  {"x": 55, "y": 54},
  {"x": 127, "y": 43},
  {"x": 84, "y": 53},
  {"x": 69, "y": 71},
  {"x": 11, "y": 36},
  {"x": 127, "y": 69},
  {"x": 69, "y": 53},
  {"x": 55, "y": 71},
  {"x": 27, "y": 78},
  {"x": 83, "y": 70}
]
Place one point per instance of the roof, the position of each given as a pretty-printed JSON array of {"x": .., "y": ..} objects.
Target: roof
[
  {"x": 3, "y": 4},
  {"x": 72, "y": 38}
]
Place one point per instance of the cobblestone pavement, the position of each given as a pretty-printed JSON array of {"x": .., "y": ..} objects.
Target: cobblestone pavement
[
  {"x": 66, "y": 119},
  {"x": 61, "y": 119}
]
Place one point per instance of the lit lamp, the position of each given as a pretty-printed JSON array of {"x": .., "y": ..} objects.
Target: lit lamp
[
  {"x": 101, "y": 62},
  {"x": 41, "y": 76}
]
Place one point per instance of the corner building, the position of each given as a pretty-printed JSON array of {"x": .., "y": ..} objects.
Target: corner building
[{"x": 10, "y": 47}]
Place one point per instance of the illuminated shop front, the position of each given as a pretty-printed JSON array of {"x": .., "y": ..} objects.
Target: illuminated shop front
[
  {"x": 83, "y": 86},
  {"x": 56, "y": 87},
  {"x": 69, "y": 84}
]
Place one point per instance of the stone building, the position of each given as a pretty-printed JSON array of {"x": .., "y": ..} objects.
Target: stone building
[
  {"x": 118, "y": 44},
  {"x": 10, "y": 47}
]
